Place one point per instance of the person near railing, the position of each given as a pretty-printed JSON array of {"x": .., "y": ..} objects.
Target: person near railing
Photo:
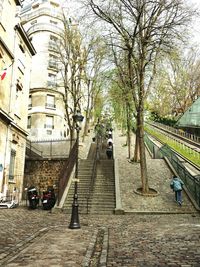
[{"x": 177, "y": 186}]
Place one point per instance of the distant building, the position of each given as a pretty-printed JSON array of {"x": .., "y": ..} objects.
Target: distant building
[
  {"x": 16, "y": 53},
  {"x": 190, "y": 120},
  {"x": 46, "y": 113}
]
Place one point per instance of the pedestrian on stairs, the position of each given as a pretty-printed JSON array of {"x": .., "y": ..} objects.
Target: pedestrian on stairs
[{"x": 109, "y": 150}]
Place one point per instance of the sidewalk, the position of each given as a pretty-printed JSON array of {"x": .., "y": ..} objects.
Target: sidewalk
[
  {"x": 159, "y": 176},
  {"x": 140, "y": 238}
]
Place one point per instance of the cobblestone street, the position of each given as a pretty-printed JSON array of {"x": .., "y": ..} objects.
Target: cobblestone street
[
  {"x": 153, "y": 232},
  {"x": 38, "y": 238}
]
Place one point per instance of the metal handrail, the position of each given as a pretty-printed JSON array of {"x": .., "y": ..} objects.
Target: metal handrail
[
  {"x": 33, "y": 149},
  {"x": 191, "y": 182},
  {"x": 64, "y": 177},
  {"x": 93, "y": 175}
]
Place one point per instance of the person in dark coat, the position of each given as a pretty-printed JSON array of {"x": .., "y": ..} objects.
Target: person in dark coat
[{"x": 109, "y": 150}]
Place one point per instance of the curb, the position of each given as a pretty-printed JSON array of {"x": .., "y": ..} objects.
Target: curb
[
  {"x": 104, "y": 252},
  {"x": 91, "y": 248},
  {"x": 86, "y": 261}
]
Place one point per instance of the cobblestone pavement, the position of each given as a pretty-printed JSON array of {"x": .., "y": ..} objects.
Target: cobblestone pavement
[
  {"x": 154, "y": 232},
  {"x": 159, "y": 176},
  {"x": 36, "y": 238}
]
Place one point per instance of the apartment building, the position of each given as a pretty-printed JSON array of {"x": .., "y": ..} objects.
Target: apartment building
[
  {"x": 42, "y": 20},
  {"x": 16, "y": 52}
]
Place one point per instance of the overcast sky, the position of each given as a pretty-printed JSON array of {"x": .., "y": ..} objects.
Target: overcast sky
[
  {"x": 194, "y": 3},
  {"x": 196, "y": 25}
]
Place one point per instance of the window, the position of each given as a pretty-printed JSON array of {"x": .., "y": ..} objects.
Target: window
[
  {"x": 22, "y": 48},
  {"x": 49, "y": 132},
  {"x": 30, "y": 101},
  {"x": 53, "y": 61},
  {"x": 33, "y": 22},
  {"x": 49, "y": 122},
  {"x": 53, "y": 22},
  {"x": 21, "y": 66},
  {"x": 29, "y": 122},
  {"x": 53, "y": 43},
  {"x": 54, "y": 4},
  {"x": 35, "y": 6},
  {"x": 51, "y": 80},
  {"x": 50, "y": 101},
  {"x": 1, "y": 61},
  {"x": 12, "y": 164},
  {"x": 53, "y": 38}
]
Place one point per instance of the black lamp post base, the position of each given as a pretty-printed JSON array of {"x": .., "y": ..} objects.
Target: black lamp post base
[{"x": 74, "y": 224}]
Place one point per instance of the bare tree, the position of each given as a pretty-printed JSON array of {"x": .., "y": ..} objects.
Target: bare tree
[
  {"x": 70, "y": 58},
  {"x": 94, "y": 57},
  {"x": 145, "y": 29},
  {"x": 122, "y": 96},
  {"x": 177, "y": 83}
]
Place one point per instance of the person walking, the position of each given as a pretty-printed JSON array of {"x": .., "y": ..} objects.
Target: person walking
[
  {"x": 177, "y": 186},
  {"x": 109, "y": 150}
]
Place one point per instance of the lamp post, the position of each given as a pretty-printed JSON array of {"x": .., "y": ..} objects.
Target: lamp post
[{"x": 74, "y": 224}]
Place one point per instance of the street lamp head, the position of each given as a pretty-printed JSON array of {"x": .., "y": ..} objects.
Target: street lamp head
[{"x": 78, "y": 117}]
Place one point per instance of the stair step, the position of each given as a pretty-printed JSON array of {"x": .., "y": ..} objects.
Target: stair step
[{"x": 102, "y": 200}]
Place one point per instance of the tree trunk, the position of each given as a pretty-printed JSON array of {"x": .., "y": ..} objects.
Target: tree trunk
[
  {"x": 128, "y": 130},
  {"x": 140, "y": 127},
  {"x": 143, "y": 165},
  {"x": 136, "y": 157}
]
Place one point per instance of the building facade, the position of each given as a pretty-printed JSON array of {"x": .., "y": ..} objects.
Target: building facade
[
  {"x": 16, "y": 53},
  {"x": 190, "y": 120},
  {"x": 46, "y": 114}
]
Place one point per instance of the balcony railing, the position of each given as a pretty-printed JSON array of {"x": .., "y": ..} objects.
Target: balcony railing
[
  {"x": 51, "y": 84},
  {"x": 48, "y": 105},
  {"x": 42, "y": 11},
  {"x": 44, "y": 27},
  {"x": 53, "y": 64},
  {"x": 49, "y": 126},
  {"x": 53, "y": 46}
]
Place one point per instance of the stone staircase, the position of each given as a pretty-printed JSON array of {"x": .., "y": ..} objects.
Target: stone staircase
[
  {"x": 84, "y": 175},
  {"x": 102, "y": 197}
]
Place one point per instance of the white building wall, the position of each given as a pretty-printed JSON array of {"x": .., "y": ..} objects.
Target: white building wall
[{"x": 41, "y": 22}]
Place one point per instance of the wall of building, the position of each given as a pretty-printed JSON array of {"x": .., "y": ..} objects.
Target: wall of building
[
  {"x": 40, "y": 108},
  {"x": 15, "y": 54},
  {"x": 42, "y": 23}
]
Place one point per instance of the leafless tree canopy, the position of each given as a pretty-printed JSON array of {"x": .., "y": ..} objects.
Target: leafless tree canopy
[{"x": 145, "y": 29}]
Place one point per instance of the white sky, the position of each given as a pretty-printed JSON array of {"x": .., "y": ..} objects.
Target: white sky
[
  {"x": 196, "y": 26},
  {"x": 195, "y": 29},
  {"x": 193, "y": 3}
]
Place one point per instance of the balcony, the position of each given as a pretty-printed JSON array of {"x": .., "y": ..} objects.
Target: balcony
[
  {"x": 47, "y": 27},
  {"x": 40, "y": 12},
  {"x": 53, "y": 46},
  {"x": 50, "y": 106},
  {"x": 51, "y": 84},
  {"x": 53, "y": 64},
  {"x": 49, "y": 126}
]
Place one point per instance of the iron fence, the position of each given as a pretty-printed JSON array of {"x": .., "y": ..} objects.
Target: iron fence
[
  {"x": 67, "y": 170},
  {"x": 191, "y": 182},
  {"x": 49, "y": 148}
]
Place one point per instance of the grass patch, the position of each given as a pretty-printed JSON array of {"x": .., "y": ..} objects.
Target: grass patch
[{"x": 180, "y": 148}]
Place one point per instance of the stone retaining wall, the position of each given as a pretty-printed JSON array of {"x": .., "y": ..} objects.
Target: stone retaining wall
[{"x": 43, "y": 173}]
